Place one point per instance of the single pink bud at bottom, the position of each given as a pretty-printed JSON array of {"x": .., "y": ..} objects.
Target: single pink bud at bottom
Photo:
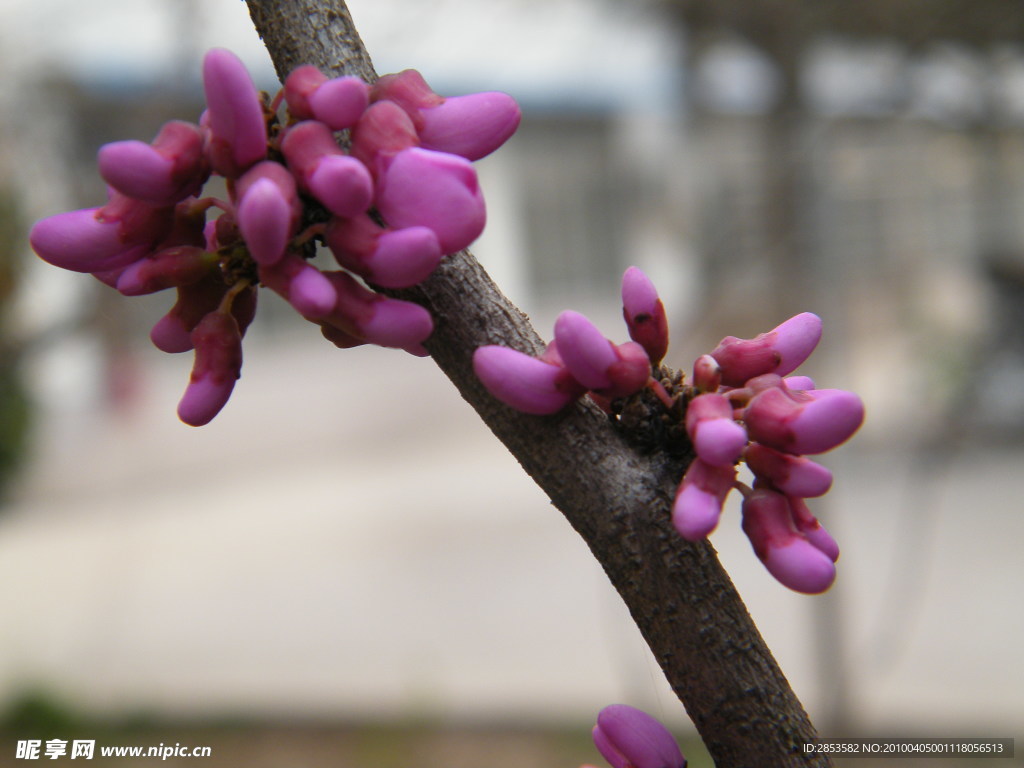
[
  {"x": 788, "y": 554},
  {"x": 698, "y": 504},
  {"x": 628, "y": 737},
  {"x": 361, "y": 313},
  {"x": 812, "y": 529},
  {"x": 793, "y": 475},
  {"x": 218, "y": 364},
  {"x": 523, "y": 382}
]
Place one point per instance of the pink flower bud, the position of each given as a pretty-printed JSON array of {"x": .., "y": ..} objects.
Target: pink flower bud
[
  {"x": 379, "y": 319},
  {"x": 382, "y": 132},
  {"x": 793, "y": 475},
  {"x": 169, "y": 170},
  {"x": 168, "y": 268},
  {"x": 470, "y": 126},
  {"x": 644, "y": 314},
  {"x": 268, "y": 210},
  {"x": 803, "y": 422},
  {"x": 608, "y": 369},
  {"x": 301, "y": 284},
  {"x": 811, "y": 529},
  {"x": 423, "y": 188},
  {"x": 218, "y": 364},
  {"x": 523, "y": 382},
  {"x": 173, "y": 332},
  {"x": 707, "y": 374},
  {"x": 234, "y": 115},
  {"x": 391, "y": 258},
  {"x": 787, "y": 554},
  {"x": 717, "y": 439},
  {"x": 630, "y": 738},
  {"x": 778, "y": 351},
  {"x": 699, "y": 499},
  {"x": 337, "y": 103},
  {"x": 799, "y": 383},
  {"x": 321, "y": 169},
  {"x": 101, "y": 239}
]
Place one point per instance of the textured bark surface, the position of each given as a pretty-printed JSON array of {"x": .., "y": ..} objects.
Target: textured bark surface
[{"x": 617, "y": 497}]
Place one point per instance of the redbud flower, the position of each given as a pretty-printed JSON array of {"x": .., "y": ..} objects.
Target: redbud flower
[
  {"x": 391, "y": 258},
  {"x": 717, "y": 439},
  {"x": 608, "y": 369},
  {"x": 101, "y": 239},
  {"x": 780, "y": 350},
  {"x": 707, "y": 374},
  {"x": 803, "y": 422},
  {"x": 337, "y": 103},
  {"x": 644, "y": 314},
  {"x": 424, "y": 188},
  {"x": 173, "y": 332},
  {"x": 162, "y": 173},
  {"x": 699, "y": 499},
  {"x": 526, "y": 383},
  {"x": 793, "y": 475},
  {"x": 340, "y": 182},
  {"x": 382, "y": 132},
  {"x": 471, "y": 126},
  {"x": 379, "y": 319},
  {"x": 268, "y": 210},
  {"x": 630, "y": 738},
  {"x": 168, "y": 268},
  {"x": 787, "y": 553},
  {"x": 301, "y": 284},
  {"x": 812, "y": 529},
  {"x": 218, "y": 364},
  {"x": 234, "y": 115}
]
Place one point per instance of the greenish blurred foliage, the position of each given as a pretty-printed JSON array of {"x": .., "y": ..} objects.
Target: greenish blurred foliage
[{"x": 15, "y": 407}]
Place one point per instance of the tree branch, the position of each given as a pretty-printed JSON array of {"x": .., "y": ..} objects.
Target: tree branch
[{"x": 615, "y": 496}]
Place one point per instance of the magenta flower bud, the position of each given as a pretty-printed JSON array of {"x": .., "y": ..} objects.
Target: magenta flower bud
[
  {"x": 173, "y": 332},
  {"x": 424, "y": 188},
  {"x": 301, "y": 284},
  {"x": 168, "y": 268},
  {"x": 699, "y": 499},
  {"x": 793, "y": 475},
  {"x": 526, "y": 383},
  {"x": 218, "y": 364},
  {"x": 608, "y": 369},
  {"x": 470, "y": 126},
  {"x": 170, "y": 169},
  {"x": 321, "y": 169},
  {"x": 803, "y": 422},
  {"x": 644, "y": 314},
  {"x": 268, "y": 210},
  {"x": 234, "y": 115},
  {"x": 707, "y": 374},
  {"x": 101, "y": 239},
  {"x": 778, "y": 351},
  {"x": 340, "y": 102},
  {"x": 787, "y": 554},
  {"x": 361, "y": 313},
  {"x": 382, "y": 132},
  {"x": 585, "y": 350},
  {"x": 809, "y": 527},
  {"x": 717, "y": 439},
  {"x": 799, "y": 383},
  {"x": 391, "y": 258},
  {"x": 630, "y": 738},
  {"x": 300, "y": 84}
]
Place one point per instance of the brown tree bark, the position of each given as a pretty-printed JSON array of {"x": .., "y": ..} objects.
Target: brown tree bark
[{"x": 615, "y": 495}]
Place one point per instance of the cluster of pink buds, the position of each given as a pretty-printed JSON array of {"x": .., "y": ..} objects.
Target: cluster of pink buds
[
  {"x": 403, "y": 196},
  {"x": 630, "y": 738},
  {"x": 741, "y": 405}
]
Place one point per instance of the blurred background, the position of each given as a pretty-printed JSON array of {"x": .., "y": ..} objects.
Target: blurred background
[{"x": 345, "y": 567}]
